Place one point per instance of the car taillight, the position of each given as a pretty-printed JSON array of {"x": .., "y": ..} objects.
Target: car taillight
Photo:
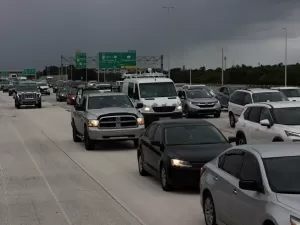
[{"x": 202, "y": 170}]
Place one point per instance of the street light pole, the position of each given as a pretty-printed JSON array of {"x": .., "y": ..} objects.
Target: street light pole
[
  {"x": 222, "y": 79},
  {"x": 285, "y": 69},
  {"x": 169, "y": 8}
]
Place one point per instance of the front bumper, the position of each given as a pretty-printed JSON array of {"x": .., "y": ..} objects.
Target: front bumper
[
  {"x": 29, "y": 101},
  {"x": 184, "y": 177},
  {"x": 204, "y": 111},
  {"x": 62, "y": 97},
  {"x": 71, "y": 101},
  {"x": 115, "y": 134}
]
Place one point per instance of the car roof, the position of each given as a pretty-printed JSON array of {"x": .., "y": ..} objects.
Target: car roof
[
  {"x": 282, "y": 104},
  {"x": 284, "y": 88},
  {"x": 150, "y": 80},
  {"x": 258, "y": 90},
  {"x": 271, "y": 150},
  {"x": 105, "y": 94},
  {"x": 177, "y": 122}
]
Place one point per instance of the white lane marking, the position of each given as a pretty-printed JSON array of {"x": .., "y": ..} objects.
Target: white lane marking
[{"x": 42, "y": 175}]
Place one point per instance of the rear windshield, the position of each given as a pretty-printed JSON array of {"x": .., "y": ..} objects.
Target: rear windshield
[{"x": 269, "y": 97}]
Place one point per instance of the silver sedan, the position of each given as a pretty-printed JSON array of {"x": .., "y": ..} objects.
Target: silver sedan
[{"x": 253, "y": 184}]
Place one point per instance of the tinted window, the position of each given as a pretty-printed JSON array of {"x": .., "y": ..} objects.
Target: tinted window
[
  {"x": 269, "y": 97},
  {"x": 130, "y": 90},
  {"x": 247, "y": 99},
  {"x": 158, "y": 133},
  {"x": 265, "y": 114},
  {"x": 283, "y": 174},
  {"x": 150, "y": 131},
  {"x": 247, "y": 113},
  {"x": 199, "y": 94},
  {"x": 238, "y": 97},
  {"x": 233, "y": 164},
  {"x": 193, "y": 135},
  {"x": 153, "y": 90},
  {"x": 250, "y": 169},
  {"x": 254, "y": 115},
  {"x": 287, "y": 116},
  {"x": 119, "y": 101},
  {"x": 291, "y": 93}
]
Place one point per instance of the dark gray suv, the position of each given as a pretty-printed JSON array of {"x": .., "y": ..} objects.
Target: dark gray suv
[{"x": 27, "y": 93}]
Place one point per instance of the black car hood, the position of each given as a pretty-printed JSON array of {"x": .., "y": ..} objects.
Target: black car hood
[{"x": 201, "y": 153}]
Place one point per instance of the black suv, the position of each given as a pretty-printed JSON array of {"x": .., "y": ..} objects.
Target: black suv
[{"x": 27, "y": 93}]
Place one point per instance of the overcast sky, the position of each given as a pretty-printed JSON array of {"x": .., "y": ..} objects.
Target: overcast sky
[{"x": 34, "y": 33}]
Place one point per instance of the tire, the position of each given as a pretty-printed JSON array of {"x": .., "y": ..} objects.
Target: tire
[
  {"x": 217, "y": 115},
  {"x": 136, "y": 143},
  {"x": 164, "y": 180},
  {"x": 142, "y": 170},
  {"x": 209, "y": 210},
  {"x": 241, "y": 139},
  {"x": 39, "y": 105},
  {"x": 278, "y": 139},
  {"x": 88, "y": 143},
  {"x": 75, "y": 133},
  {"x": 9, "y": 94},
  {"x": 231, "y": 120}
]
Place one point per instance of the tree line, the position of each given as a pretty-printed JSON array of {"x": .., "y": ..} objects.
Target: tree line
[{"x": 238, "y": 74}]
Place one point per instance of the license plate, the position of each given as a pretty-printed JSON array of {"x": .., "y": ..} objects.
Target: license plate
[{"x": 164, "y": 118}]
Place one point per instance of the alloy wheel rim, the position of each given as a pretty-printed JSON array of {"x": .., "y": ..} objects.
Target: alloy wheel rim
[{"x": 209, "y": 212}]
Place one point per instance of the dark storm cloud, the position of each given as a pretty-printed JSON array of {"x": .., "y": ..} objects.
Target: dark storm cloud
[{"x": 36, "y": 32}]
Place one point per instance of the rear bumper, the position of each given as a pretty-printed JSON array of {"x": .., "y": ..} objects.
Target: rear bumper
[{"x": 115, "y": 134}]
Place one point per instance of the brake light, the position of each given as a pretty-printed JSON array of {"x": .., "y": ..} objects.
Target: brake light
[{"x": 202, "y": 170}]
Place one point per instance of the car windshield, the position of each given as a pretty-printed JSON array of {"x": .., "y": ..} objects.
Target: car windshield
[
  {"x": 282, "y": 173},
  {"x": 27, "y": 88},
  {"x": 269, "y": 97},
  {"x": 43, "y": 84},
  {"x": 99, "y": 102},
  {"x": 193, "y": 135},
  {"x": 291, "y": 93},
  {"x": 293, "y": 117},
  {"x": 64, "y": 89},
  {"x": 73, "y": 91},
  {"x": 154, "y": 90},
  {"x": 104, "y": 87},
  {"x": 200, "y": 93}
]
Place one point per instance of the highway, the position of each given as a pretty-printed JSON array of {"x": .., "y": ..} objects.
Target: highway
[{"x": 46, "y": 178}]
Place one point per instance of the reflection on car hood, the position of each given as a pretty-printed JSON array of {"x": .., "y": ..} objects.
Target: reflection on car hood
[
  {"x": 202, "y": 100},
  {"x": 201, "y": 152},
  {"x": 291, "y": 200},
  {"x": 98, "y": 112},
  {"x": 294, "y": 99}
]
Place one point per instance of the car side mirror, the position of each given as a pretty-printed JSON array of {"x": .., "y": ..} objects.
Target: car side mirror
[
  {"x": 139, "y": 105},
  {"x": 265, "y": 123},
  {"x": 231, "y": 139},
  {"x": 250, "y": 185}
]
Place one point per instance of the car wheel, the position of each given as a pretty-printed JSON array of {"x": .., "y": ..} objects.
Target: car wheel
[
  {"x": 209, "y": 210},
  {"x": 39, "y": 105},
  {"x": 232, "y": 120},
  {"x": 217, "y": 115},
  {"x": 88, "y": 143},
  {"x": 164, "y": 179},
  {"x": 75, "y": 133},
  {"x": 142, "y": 170},
  {"x": 241, "y": 139},
  {"x": 136, "y": 143}
]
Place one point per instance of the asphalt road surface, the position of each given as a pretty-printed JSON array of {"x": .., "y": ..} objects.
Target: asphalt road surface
[{"x": 46, "y": 178}]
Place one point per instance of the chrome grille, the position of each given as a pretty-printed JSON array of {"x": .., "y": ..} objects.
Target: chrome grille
[
  {"x": 164, "y": 109},
  {"x": 206, "y": 104},
  {"x": 117, "y": 122},
  {"x": 28, "y": 95}
]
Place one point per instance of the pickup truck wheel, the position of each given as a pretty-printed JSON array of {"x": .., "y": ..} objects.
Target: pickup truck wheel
[
  {"x": 88, "y": 143},
  {"x": 39, "y": 105},
  {"x": 75, "y": 133},
  {"x": 136, "y": 143}
]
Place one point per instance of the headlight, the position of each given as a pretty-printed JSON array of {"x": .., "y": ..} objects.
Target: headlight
[
  {"x": 93, "y": 123},
  {"x": 180, "y": 163},
  {"x": 217, "y": 102},
  {"x": 73, "y": 98},
  {"x": 291, "y": 134},
  {"x": 146, "y": 109},
  {"x": 140, "y": 121},
  {"x": 294, "y": 221},
  {"x": 179, "y": 107}
]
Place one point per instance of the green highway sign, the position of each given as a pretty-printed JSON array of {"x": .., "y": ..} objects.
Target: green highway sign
[
  {"x": 29, "y": 72},
  {"x": 80, "y": 60},
  {"x": 117, "y": 60},
  {"x": 4, "y": 74}
]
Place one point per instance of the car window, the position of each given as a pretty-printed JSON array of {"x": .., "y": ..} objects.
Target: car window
[
  {"x": 265, "y": 114},
  {"x": 158, "y": 133},
  {"x": 247, "y": 99},
  {"x": 250, "y": 169},
  {"x": 247, "y": 113},
  {"x": 83, "y": 102},
  {"x": 233, "y": 163},
  {"x": 225, "y": 91},
  {"x": 255, "y": 114},
  {"x": 150, "y": 131},
  {"x": 238, "y": 97}
]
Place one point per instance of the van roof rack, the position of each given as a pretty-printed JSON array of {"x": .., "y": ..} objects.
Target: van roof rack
[{"x": 143, "y": 75}]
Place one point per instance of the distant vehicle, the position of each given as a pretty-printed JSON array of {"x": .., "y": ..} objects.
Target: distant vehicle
[
  {"x": 106, "y": 116},
  {"x": 22, "y": 78},
  {"x": 12, "y": 87},
  {"x": 103, "y": 87},
  {"x": 13, "y": 76},
  {"x": 5, "y": 85},
  {"x": 71, "y": 97},
  {"x": 252, "y": 184},
  {"x": 92, "y": 82},
  {"x": 56, "y": 85},
  {"x": 197, "y": 102},
  {"x": 193, "y": 86},
  {"x": 175, "y": 150},
  {"x": 27, "y": 93},
  {"x": 44, "y": 88},
  {"x": 62, "y": 93},
  {"x": 225, "y": 91},
  {"x": 292, "y": 93},
  {"x": 240, "y": 98},
  {"x": 158, "y": 95},
  {"x": 180, "y": 85},
  {"x": 75, "y": 83}
]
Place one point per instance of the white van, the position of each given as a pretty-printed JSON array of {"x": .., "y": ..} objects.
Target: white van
[
  {"x": 158, "y": 95},
  {"x": 13, "y": 76}
]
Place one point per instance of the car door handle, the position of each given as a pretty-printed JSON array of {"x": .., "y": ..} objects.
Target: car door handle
[
  {"x": 215, "y": 178},
  {"x": 234, "y": 191}
]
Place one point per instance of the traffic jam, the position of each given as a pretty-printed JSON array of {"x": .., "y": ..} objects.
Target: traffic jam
[{"x": 244, "y": 179}]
